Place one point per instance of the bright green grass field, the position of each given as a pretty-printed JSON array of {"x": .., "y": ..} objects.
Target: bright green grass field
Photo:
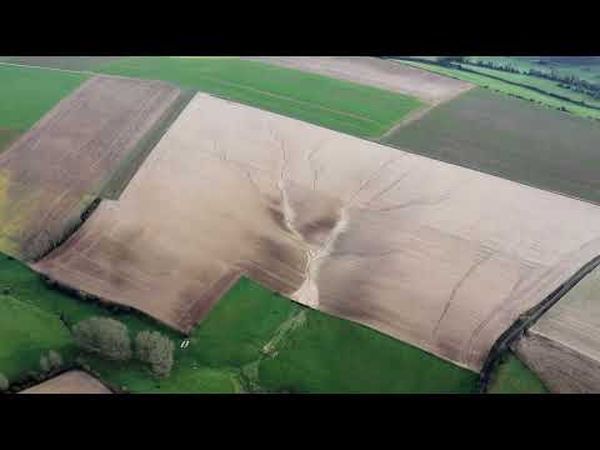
[
  {"x": 27, "y": 333},
  {"x": 27, "y": 94},
  {"x": 246, "y": 344},
  {"x": 340, "y": 105},
  {"x": 514, "y": 377},
  {"x": 326, "y": 354}
]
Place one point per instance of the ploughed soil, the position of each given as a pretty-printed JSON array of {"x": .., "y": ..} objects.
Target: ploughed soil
[
  {"x": 563, "y": 347},
  {"x": 436, "y": 255},
  {"x": 377, "y": 72},
  {"x": 72, "y": 382},
  {"x": 52, "y": 173}
]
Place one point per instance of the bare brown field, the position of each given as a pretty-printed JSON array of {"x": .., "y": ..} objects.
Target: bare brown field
[
  {"x": 72, "y": 382},
  {"x": 51, "y": 174},
  {"x": 563, "y": 347},
  {"x": 436, "y": 255},
  {"x": 380, "y": 73}
]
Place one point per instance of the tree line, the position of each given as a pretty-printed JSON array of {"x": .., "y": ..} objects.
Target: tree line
[{"x": 568, "y": 81}]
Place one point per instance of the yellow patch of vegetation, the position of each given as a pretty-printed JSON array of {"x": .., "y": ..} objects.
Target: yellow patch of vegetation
[{"x": 7, "y": 223}]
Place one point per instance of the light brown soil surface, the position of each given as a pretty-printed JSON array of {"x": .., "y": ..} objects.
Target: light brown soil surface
[
  {"x": 564, "y": 345},
  {"x": 436, "y": 255},
  {"x": 52, "y": 173},
  {"x": 380, "y": 73},
  {"x": 73, "y": 382},
  {"x": 561, "y": 368}
]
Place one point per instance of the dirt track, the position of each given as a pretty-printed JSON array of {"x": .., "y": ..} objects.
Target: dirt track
[
  {"x": 563, "y": 347},
  {"x": 380, "y": 73},
  {"x": 433, "y": 254},
  {"x": 52, "y": 173},
  {"x": 73, "y": 382}
]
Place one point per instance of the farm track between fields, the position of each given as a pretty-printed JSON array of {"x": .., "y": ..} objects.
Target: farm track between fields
[{"x": 529, "y": 318}]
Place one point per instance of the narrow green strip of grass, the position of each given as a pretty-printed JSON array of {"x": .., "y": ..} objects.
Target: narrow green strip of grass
[{"x": 514, "y": 377}]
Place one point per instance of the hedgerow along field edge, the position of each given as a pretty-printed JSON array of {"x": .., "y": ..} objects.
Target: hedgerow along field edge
[{"x": 234, "y": 337}]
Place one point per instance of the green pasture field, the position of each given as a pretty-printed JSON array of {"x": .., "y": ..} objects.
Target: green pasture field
[
  {"x": 514, "y": 377},
  {"x": 257, "y": 341},
  {"x": 29, "y": 93},
  {"x": 510, "y": 138},
  {"x": 26, "y": 334},
  {"x": 28, "y": 289},
  {"x": 326, "y": 354},
  {"x": 504, "y": 87},
  {"x": 340, "y": 105},
  {"x": 252, "y": 340}
]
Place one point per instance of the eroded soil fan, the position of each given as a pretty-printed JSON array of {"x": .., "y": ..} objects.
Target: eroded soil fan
[{"x": 198, "y": 193}]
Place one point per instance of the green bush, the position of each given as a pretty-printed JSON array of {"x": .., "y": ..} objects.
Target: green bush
[
  {"x": 4, "y": 384},
  {"x": 155, "y": 349},
  {"x": 45, "y": 364},
  {"x": 55, "y": 360},
  {"x": 106, "y": 337}
]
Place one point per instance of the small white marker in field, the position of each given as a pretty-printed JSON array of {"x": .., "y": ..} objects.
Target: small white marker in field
[{"x": 185, "y": 343}]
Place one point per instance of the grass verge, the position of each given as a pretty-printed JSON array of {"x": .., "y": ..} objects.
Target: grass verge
[{"x": 514, "y": 377}]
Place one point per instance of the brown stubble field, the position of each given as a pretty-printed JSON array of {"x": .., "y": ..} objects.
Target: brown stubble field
[
  {"x": 436, "y": 255},
  {"x": 381, "y": 73},
  {"x": 51, "y": 174},
  {"x": 72, "y": 382}
]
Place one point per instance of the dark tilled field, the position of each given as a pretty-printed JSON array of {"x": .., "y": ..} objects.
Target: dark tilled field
[{"x": 510, "y": 138}]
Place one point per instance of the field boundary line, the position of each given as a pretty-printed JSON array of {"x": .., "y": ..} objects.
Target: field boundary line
[
  {"x": 408, "y": 119},
  {"x": 529, "y": 318},
  {"x": 293, "y": 100},
  {"x": 84, "y": 72}
]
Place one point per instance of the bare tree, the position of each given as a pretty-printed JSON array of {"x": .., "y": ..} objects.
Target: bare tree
[
  {"x": 155, "y": 349},
  {"x": 55, "y": 360},
  {"x": 104, "y": 336},
  {"x": 4, "y": 384},
  {"x": 44, "y": 364}
]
